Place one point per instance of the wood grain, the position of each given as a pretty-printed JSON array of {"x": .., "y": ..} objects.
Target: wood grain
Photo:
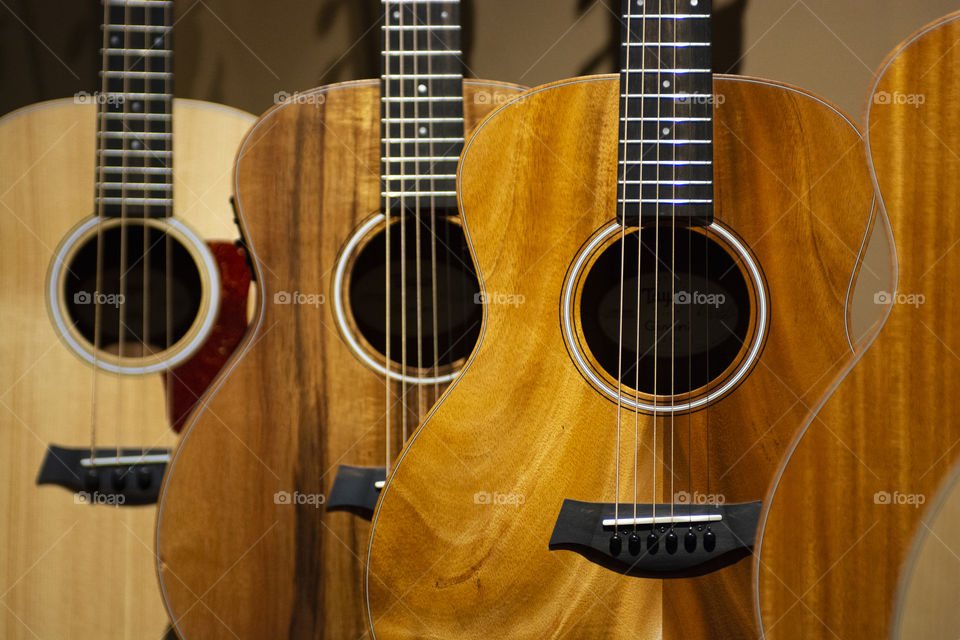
[
  {"x": 538, "y": 178},
  {"x": 890, "y": 430},
  {"x": 70, "y": 570},
  {"x": 296, "y": 402}
]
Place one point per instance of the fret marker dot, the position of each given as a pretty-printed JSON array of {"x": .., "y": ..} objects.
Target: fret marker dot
[
  {"x": 444, "y": 14},
  {"x": 666, "y": 131},
  {"x": 423, "y": 131},
  {"x": 396, "y": 14},
  {"x": 137, "y": 106},
  {"x": 157, "y": 42},
  {"x": 666, "y": 83},
  {"x": 422, "y": 88},
  {"x": 114, "y": 40},
  {"x": 694, "y": 3},
  {"x": 136, "y": 144}
]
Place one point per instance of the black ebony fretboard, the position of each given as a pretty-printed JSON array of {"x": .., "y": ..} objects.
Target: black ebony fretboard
[
  {"x": 421, "y": 104},
  {"x": 135, "y": 163},
  {"x": 666, "y": 113}
]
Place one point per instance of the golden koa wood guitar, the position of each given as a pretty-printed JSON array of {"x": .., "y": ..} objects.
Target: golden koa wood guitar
[
  {"x": 886, "y": 441},
  {"x": 523, "y": 506},
  {"x": 70, "y": 569},
  {"x": 263, "y": 519}
]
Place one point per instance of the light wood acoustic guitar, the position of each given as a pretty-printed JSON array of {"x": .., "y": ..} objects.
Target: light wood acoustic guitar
[
  {"x": 113, "y": 324},
  {"x": 880, "y": 459},
  {"x": 368, "y": 309},
  {"x": 667, "y": 259}
]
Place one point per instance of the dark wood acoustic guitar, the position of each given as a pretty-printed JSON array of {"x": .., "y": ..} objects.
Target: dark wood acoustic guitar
[
  {"x": 667, "y": 259},
  {"x": 368, "y": 308}
]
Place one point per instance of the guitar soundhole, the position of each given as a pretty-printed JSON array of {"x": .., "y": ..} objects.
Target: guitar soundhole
[
  {"x": 143, "y": 284},
  {"x": 448, "y": 307},
  {"x": 694, "y": 311}
]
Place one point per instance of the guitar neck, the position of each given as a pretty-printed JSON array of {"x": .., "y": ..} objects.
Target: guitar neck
[
  {"x": 135, "y": 110},
  {"x": 666, "y": 113},
  {"x": 421, "y": 104}
]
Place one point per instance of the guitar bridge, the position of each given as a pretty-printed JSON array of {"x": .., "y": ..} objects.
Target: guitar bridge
[{"x": 124, "y": 477}]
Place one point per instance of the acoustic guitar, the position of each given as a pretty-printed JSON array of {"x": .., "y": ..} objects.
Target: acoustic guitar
[
  {"x": 113, "y": 324},
  {"x": 886, "y": 441},
  {"x": 668, "y": 258},
  {"x": 368, "y": 307}
]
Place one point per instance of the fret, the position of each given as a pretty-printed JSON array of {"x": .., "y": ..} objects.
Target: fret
[
  {"x": 674, "y": 201},
  {"x": 666, "y": 141},
  {"x": 679, "y": 183},
  {"x": 136, "y": 153},
  {"x": 427, "y": 99},
  {"x": 420, "y": 140},
  {"x": 664, "y": 119},
  {"x": 136, "y": 74},
  {"x": 140, "y": 201},
  {"x": 437, "y": 176},
  {"x": 422, "y": 76},
  {"x": 664, "y": 45},
  {"x": 111, "y": 169},
  {"x": 418, "y": 120},
  {"x": 122, "y": 116},
  {"x": 137, "y": 186},
  {"x": 418, "y": 194},
  {"x": 665, "y": 16},
  {"x": 668, "y": 96},
  {"x": 422, "y": 159},
  {"x": 136, "y": 52},
  {"x": 139, "y": 3},
  {"x": 423, "y": 53},
  {"x": 670, "y": 71},
  {"x": 421, "y": 27},
  {"x": 137, "y": 134},
  {"x": 135, "y": 27}
]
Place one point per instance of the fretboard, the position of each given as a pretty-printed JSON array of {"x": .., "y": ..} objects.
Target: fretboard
[
  {"x": 421, "y": 104},
  {"x": 666, "y": 113},
  {"x": 135, "y": 103}
]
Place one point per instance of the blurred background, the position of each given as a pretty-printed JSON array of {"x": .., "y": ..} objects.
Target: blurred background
[{"x": 241, "y": 52}]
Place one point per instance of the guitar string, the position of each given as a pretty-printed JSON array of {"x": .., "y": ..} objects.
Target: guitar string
[
  {"x": 673, "y": 279},
  {"x": 656, "y": 277},
  {"x": 102, "y": 120},
  {"x": 623, "y": 243},
  {"x": 403, "y": 238},
  {"x": 433, "y": 220},
  {"x": 167, "y": 45},
  {"x": 145, "y": 344},
  {"x": 121, "y": 299},
  {"x": 417, "y": 196},
  {"x": 636, "y": 369},
  {"x": 386, "y": 185}
]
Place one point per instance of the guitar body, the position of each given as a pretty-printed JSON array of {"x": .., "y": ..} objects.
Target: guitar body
[
  {"x": 70, "y": 569},
  {"x": 296, "y": 401},
  {"x": 522, "y": 421},
  {"x": 888, "y": 434}
]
